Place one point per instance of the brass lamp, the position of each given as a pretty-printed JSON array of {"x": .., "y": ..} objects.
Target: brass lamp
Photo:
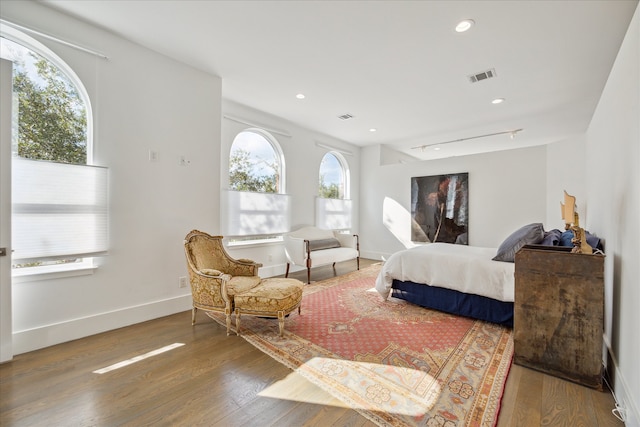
[{"x": 572, "y": 222}]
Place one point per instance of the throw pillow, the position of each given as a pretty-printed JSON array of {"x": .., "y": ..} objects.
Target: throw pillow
[
  {"x": 530, "y": 234},
  {"x": 316, "y": 245}
]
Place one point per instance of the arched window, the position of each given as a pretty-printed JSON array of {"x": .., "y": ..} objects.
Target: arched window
[
  {"x": 256, "y": 163},
  {"x": 53, "y": 108},
  {"x": 333, "y": 177},
  {"x": 333, "y": 207},
  {"x": 257, "y": 206},
  {"x": 59, "y": 203}
]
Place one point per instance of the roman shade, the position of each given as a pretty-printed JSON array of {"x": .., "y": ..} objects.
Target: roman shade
[
  {"x": 333, "y": 214},
  {"x": 256, "y": 214},
  {"x": 59, "y": 210}
]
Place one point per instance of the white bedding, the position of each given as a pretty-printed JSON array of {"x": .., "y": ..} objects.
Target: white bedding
[{"x": 463, "y": 268}]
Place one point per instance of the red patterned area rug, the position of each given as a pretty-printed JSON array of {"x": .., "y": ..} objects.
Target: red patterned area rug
[{"x": 396, "y": 363}]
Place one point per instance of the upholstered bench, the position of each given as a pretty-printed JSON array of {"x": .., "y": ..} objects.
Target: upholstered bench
[
  {"x": 313, "y": 247},
  {"x": 273, "y": 297}
]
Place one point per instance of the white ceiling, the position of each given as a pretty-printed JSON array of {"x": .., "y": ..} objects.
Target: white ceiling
[{"x": 397, "y": 66}]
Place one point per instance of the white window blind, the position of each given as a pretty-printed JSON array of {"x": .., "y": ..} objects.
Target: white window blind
[
  {"x": 255, "y": 214},
  {"x": 333, "y": 214},
  {"x": 59, "y": 210}
]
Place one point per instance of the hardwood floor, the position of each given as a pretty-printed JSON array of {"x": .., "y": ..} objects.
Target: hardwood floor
[{"x": 215, "y": 380}]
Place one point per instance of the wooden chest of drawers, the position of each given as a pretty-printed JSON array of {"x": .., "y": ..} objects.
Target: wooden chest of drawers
[{"x": 559, "y": 313}]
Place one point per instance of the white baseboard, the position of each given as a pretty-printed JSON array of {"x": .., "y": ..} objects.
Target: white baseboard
[
  {"x": 621, "y": 390},
  {"x": 632, "y": 417},
  {"x": 375, "y": 255},
  {"x": 48, "y": 335}
]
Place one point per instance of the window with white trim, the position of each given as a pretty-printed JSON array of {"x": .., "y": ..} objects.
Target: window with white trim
[
  {"x": 333, "y": 206},
  {"x": 257, "y": 207},
  {"x": 59, "y": 200}
]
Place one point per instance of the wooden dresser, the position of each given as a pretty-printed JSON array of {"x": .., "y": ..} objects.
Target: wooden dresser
[{"x": 559, "y": 313}]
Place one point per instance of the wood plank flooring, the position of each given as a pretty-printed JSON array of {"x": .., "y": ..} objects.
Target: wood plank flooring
[{"x": 215, "y": 380}]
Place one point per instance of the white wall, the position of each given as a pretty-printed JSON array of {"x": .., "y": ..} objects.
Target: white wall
[
  {"x": 613, "y": 195},
  {"x": 141, "y": 101},
  {"x": 566, "y": 171},
  {"x": 506, "y": 191},
  {"x": 302, "y": 169}
]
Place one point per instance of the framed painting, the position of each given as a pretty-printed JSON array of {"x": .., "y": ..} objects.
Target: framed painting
[{"x": 440, "y": 208}]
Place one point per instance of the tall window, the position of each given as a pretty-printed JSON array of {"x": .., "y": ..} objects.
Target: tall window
[
  {"x": 332, "y": 177},
  {"x": 59, "y": 202},
  {"x": 256, "y": 204},
  {"x": 333, "y": 207}
]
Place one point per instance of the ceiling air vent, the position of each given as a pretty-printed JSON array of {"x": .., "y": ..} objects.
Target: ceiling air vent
[
  {"x": 346, "y": 116},
  {"x": 482, "y": 76}
]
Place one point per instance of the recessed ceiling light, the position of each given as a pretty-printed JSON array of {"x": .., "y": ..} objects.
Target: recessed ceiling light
[
  {"x": 436, "y": 148},
  {"x": 498, "y": 101},
  {"x": 464, "y": 25},
  {"x": 300, "y": 96},
  {"x": 373, "y": 130}
]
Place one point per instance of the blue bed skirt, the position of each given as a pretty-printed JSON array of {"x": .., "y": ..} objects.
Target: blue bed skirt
[{"x": 454, "y": 302}]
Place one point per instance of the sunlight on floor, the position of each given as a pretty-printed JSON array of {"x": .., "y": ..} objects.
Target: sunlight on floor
[
  {"x": 138, "y": 358},
  {"x": 358, "y": 385},
  {"x": 296, "y": 387}
]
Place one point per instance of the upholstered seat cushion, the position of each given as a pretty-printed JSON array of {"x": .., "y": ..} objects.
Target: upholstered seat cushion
[
  {"x": 270, "y": 297},
  {"x": 241, "y": 284},
  {"x": 329, "y": 256}
]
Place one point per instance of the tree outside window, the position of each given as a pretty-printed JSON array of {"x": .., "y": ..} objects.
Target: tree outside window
[
  {"x": 254, "y": 164},
  {"x": 52, "y": 117},
  {"x": 332, "y": 178}
]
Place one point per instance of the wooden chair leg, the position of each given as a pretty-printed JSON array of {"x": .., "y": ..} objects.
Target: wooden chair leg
[
  {"x": 286, "y": 273},
  {"x": 227, "y": 313},
  {"x": 281, "y": 321},
  {"x": 193, "y": 316},
  {"x": 237, "y": 322}
]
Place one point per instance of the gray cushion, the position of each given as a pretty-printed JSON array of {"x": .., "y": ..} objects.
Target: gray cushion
[
  {"x": 316, "y": 245},
  {"x": 528, "y": 235}
]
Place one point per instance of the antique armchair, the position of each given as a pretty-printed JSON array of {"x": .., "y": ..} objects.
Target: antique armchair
[
  {"x": 224, "y": 284},
  {"x": 215, "y": 276}
]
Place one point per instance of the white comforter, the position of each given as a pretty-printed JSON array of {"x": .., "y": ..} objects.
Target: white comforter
[{"x": 467, "y": 269}]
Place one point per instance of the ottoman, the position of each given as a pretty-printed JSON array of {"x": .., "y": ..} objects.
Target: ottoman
[{"x": 273, "y": 297}]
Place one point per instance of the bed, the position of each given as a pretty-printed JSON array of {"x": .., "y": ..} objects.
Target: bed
[{"x": 457, "y": 279}]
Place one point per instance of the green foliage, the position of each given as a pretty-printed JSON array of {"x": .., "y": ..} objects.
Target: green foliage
[
  {"x": 243, "y": 174},
  {"x": 330, "y": 191},
  {"x": 52, "y": 118}
]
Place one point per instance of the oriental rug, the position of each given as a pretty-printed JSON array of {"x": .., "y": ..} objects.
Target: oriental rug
[{"x": 394, "y": 362}]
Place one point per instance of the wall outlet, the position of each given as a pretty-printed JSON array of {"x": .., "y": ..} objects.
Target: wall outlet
[{"x": 183, "y": 282}]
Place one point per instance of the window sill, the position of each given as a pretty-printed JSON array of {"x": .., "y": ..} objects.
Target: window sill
[
  {"x": 33, "y": 274},
  {"x": 254, "y": 243}
]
